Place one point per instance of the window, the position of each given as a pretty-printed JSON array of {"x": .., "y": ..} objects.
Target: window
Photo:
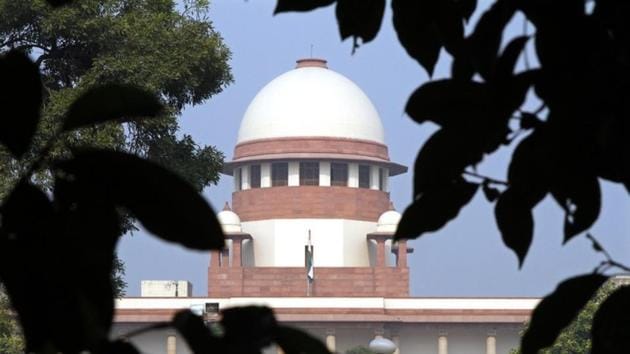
[
  {"x": 382, "y": 175},
  {"x": 237, "y": 179},
  {"x": 279, "y": 174},
  {"x": 364, "y": 176},
  {"x": 309, "y": 173},
  {"x": 254, "y": 176},
  {"x": 339, "y": 174}
]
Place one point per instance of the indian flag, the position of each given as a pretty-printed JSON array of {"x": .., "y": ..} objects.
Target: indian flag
[{"x": 309, "y": 259}]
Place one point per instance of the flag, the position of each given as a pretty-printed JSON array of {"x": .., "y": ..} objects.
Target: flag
[{"x": 310, "y": 275}]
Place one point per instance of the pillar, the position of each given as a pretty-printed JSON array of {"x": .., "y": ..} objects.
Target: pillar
[
  {"x": 491, "y": 343},
  {"x": 236, "y": 252},
  {"x": 324, "y": 173},
  {"x": 225, "y": 257},
  {"x": 442, "y": 344},
  {"x": 215, "y": 259},
  {"x": 380, "y": 252},
  {"x": 331, "y": 340},
  {"x": 171, "y": 344},
  {"x": 401, "y": 259}
]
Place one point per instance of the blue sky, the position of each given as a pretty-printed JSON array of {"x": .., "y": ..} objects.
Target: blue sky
[{"x": 467, "y": 257}]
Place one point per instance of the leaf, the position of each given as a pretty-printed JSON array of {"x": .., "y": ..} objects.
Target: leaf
[
  {"x": 530, "y": 121},
  {"x": 120, "y": 347},
  {"x": 196, "y": 333},
  {"x": 164, "y": 203},
  {"x": 20, "y": 99},
  {"x": 57, "y": 3},
  {"x": 580, "y": 196},
  {"x": 417, "y": 33},
  {"x": 111, "y": 102},
  {"x": 444, "y": 157},
  {"x": 611, "y": 324},
  {"x": 248, "y": 329},
  {"x": 515, "y": 222},
  {"x": 434, "y": 208},
  {"x": 300, "y": 5},
  {"x": 558, "y": 309},
  {"x": 507, "y": 62},
  {"x": 359, "y": 18},
  {"x": 450, "y": 102},
  {"x": 491, "y": 194},
  {"x": 295, "y": 341},
  {"x": 530, "y": 169}
]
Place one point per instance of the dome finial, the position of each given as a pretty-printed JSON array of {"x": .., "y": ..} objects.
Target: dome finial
[
  {"x": 311, "y": 63},
  {"x": 226, "y": 206},
  {"x": 391, "y": 206}
]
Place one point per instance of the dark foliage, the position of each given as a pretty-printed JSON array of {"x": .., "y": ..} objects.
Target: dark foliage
[
  {"x": 579, "y": 135},
  {"x": 61, "y": 246}
]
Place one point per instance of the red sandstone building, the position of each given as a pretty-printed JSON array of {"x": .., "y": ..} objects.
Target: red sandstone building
[{"x": 311, "y": 177}]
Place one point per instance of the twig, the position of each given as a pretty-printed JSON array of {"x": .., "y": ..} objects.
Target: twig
[{"x": 489, "y": 179}]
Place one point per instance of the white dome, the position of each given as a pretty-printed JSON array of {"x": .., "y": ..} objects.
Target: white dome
[
  {"x": 388, "y": 221},
  {"x": 230, "y": 222},
  {"x": 311, "y": 101}
]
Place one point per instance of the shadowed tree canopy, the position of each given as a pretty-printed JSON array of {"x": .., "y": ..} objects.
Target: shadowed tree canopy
[
  {"x": 174, "y": 54},
  {"x": 578, "y": 135}
]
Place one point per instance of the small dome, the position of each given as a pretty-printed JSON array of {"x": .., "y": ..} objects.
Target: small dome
[
  {"x": 311, "y": 101},
  {"x": 388, "y": 221},
  {"x": 229, "y": 220}
]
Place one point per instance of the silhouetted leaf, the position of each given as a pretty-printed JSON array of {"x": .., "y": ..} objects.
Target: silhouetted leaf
[
  {"x": 611, "y": 324},
  {"x": 120, "y": 347},
  {"x": 248, "y": 329},
  {"x": 295, "y": 341},
  {"x": 515, "y": 222},
  {"x": 300, "y": 5},
  {"x": 507, "y": 62},
  {"x": 558, "y": 309},
  {"x": 580, "y": 196},
  {"x": 417, "y": 33},
  {"x": 444, "y": 157},
  {"x": 112, "y": 102},
  {"x": 196, "y": 333},
  {"x": 20, "y": 101},
  {"x": 530, "y": 169},
  {"x": 449, "y": 102},
  {"x": 529, "y": 121},
  {"x": 491, "y": 194},
  {"x": 27, "y": 216},
  {"x": 165, "y": 204},
  {"x": 57, "y": 3},
  {"x": 434, "y": 208},
  {"x": 359, "y": 18},
  {"x": 467, "y": 7}
]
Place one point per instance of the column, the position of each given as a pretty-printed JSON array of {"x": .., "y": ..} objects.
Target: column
[
  {"x": 236, "y": 252},
  {"x": 294, "y": 173},
  {"x": 442, "y": 344},
  {"x": 265, "y": 175},
  {"x": 245, "y": 184},
  {"x": 396, "y": 340},
  {"x": 171, "y": 344},
  {"x": 225, "y": 257},
  {"x": 353, "y": 175},
  {"x": 324, "y": 173},
  {"x": 380, "y": 252},
  {"x": 331, "y": 340},
  {"x": 215, "y": 259},
  {"x": 401, "y": 258},
  {"x": 491, "y": 343},
  {"x": 374, "y": 177}
]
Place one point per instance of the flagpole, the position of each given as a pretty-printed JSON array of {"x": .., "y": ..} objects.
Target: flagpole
[{"x": 309, "y": 263}]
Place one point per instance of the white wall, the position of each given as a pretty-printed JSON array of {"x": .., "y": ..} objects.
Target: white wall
[
  {"x": 337, "y": 242},
  {"x": 265, "y": 174},
  {"x": 294, "y": 173},
  {"x": 324, "y": 173}
]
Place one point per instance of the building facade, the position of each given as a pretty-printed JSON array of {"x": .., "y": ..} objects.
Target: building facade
[{"x": 309, "y": 233}]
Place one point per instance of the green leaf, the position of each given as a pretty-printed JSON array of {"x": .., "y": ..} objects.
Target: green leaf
[
  {"x": 20, "y": 99},
  {"x": 434, "y": 208},
  {"x": 359, "y": 18},
  {"x": 111, "y": 102},
  {"x": 611, "y": 324},
  {"x": 295, "y": 341},
  {"x": 300, "y": 5},
  {"x": 166, "y": 205},
  {"x": 515, "y": 222},
  {"x": 558, "y": 309}
]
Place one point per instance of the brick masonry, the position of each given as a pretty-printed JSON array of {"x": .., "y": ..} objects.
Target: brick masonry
[
  {"x": 311, "y": 145},
  {"x": 291, "y": 281},
  {"x": 310, "y": 202}
]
